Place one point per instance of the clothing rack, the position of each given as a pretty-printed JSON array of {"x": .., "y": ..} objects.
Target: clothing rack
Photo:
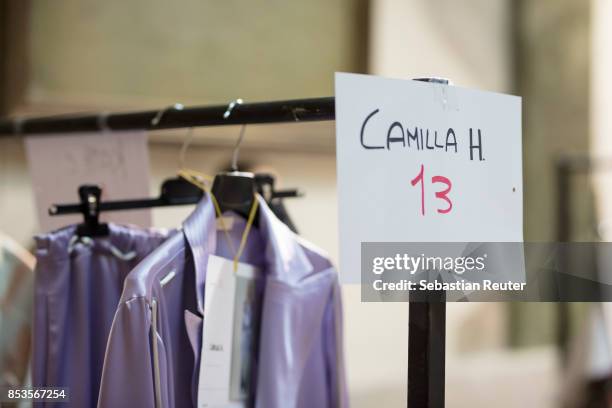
[
  {"x": 427, "y": 320},
  {"x": 298, "y": 110}
]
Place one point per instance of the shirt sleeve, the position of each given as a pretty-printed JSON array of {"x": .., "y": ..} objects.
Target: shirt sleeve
[{"x": 128, "y": 375}]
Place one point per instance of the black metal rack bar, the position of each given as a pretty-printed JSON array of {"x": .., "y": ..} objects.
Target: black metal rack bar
[
  {"x": 427, "y": 352},
  {"x": 298, "y": 110},
  {"x": 427, "y": 320},
  {"x": 119, "y": 205}
]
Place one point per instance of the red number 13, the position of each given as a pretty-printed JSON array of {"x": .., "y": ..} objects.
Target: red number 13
[{"x": 442, "y": 194}]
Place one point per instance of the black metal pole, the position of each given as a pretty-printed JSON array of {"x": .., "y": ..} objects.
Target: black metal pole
[
  {"x": 427, "y": 341},
  {"x": 298, "y": 110},
  {"x": 427, "y": 351}
]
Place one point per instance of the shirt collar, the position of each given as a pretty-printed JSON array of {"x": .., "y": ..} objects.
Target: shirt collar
[
  {"x": 200, "y": 231},
  {"x": 285, "y": 257}
]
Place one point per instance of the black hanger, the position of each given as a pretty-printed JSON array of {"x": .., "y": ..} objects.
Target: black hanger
[
  {"x": 90, "y": 208},
  {"x": 178, "y": 191},
  {"x": 275, "y": 199},
  {"x": 174, "y": 191},
  {"x": 265, "y": 183},
  {"x": 235, "y": 191}
]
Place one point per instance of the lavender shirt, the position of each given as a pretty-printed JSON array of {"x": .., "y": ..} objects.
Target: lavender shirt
[
  {"x": 76, "y": 293},
  {"x": 153, "y": 352}
]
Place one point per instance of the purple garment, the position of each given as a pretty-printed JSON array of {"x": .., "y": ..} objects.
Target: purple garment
[
  {"x": 153, "y": 353},
  {"x": 76, "y": 292}
]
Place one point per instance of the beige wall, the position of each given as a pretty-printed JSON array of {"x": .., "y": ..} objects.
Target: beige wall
[
  {"x": 17, "y": 210},
  {"x": 601, "y": 102},
  {"x": 198, "y": 51},
  {"x": 468, "y": 41},
  {"x": 553, "y": 73}
]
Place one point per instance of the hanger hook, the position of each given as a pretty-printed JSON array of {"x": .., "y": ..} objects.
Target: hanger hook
[
  {"x": 295, "y": 117},
  {"x": 231, "y": 107},
  {"x": 18, "y": 125},
  {"x": 103, "y": 122},
  {"x": 184, "y": 147},
  {"x": 226, "y": 115},
  {"x": 237, "y": 148},
  {"x": 158, "y": 117}
]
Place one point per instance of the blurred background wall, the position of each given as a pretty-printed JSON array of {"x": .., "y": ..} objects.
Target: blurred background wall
[{"x": 82, "y": 55}]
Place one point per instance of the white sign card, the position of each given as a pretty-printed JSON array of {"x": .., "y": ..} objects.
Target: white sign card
[
  {"x": 229, "y": 334},
  {"x": 425, "y": 162},
  {"x": 116, "y": 161}
]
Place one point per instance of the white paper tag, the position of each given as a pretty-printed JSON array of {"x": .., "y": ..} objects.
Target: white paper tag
[
  {"x": 116, "y": 161},
  {"x": 228, "y": 334},
  {"x": 424, "y": 162}
]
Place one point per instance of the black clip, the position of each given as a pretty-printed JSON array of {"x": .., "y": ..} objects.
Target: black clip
[
  {"x": 266, "y": 187},
  {"x": 90, "y": 208}
]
